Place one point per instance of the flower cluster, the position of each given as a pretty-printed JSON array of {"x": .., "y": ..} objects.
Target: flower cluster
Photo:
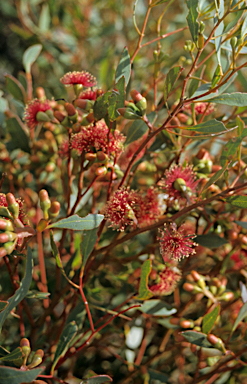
[
  {"x": 84, "y": 78},
  {"x": 150, "y": 207},
  {"x": 96, "y": 138},
  {"x": 32, "y": 111},
  {"x": 175, "y": 244},
  {"x": 168, "y": 280}
]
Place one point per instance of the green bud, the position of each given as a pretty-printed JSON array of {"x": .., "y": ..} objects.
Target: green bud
[
  {"x": 142, "y": 105},
  {"x": 7, "y": 236},
  {"x": 201, "y": 27},
  {"x": 180, "y": 185},
  {"x": 42, "y": 117},
  {"x": 49, "y": 113},
  {"x": 5, "y": 213},
  {"x": 9, "y": 247},
  {"x": 6, "y": 225},
  {"x": 37, "y": 359},
  {"x": 45, "y": 202},
  {"x": 234, "y": 42},
  {"x": 155, "y": 55},
  {"x": 77, "y": 89},
  {"x": 200, "y": 41}
]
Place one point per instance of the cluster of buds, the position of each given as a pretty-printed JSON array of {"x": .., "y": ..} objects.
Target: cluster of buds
[
  {"x": 36, "y": 358},
  {"x": 189, "y": 46},
  {"x": 202, "y": 162},
  {"x": 134, "y": 110},
  {"x": 12, "y": 228},
  {"x": 214, "y": 289},
  {"x": 50, "y": 209}
]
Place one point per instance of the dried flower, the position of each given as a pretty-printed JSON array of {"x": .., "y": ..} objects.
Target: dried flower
[
  {"x": 95, "y": 138},
  {"x": 175, "y": 244},
  {"x": 168, "y": 280},
  {"x": 179, "y": 183},
  {"x": 84, "y": 78},
  {"x": 31, "y": 110},
  {"x": 121, "y": 208}
]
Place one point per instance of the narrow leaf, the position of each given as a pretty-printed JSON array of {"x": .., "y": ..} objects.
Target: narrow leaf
[
  {"x": 192, "y": 18},
  {"x": 138, "y": 129},
  {"x": 30, "y": 56},
  {"x": 116, "y": 100},
  {"x": 197, "y": 338},
  {"x": 211, "y": 126},
  {"x": 101, "y": 106},
  {"x": 238, "y": 201},
  {"x": 15, "y": 88},
  {"x": 216, "y": 77},
  {"x": 124, "y": 67},
  {"x": 214, "y": 178},
  {"x": 19, "y": 138},
  {"x": 45, "y": 18},
  {"x": 97, "y": 379},
  {"x": 242, "y": 224},
  {"x": 78, "y": 223},
  {"x": 3, "y": 305},
  {"x": 235, "y": 99},
  {"x": 21, "y": 292},
  {"x": 171, "y": 79},
  {"x": 231, "y": 148},
  {"x": 243, "y": 290},
  {"x": 144, "y": 292},
  {"x": 209, "y": 319},
  {"x": 242, "y": 79},
  {"x": 241, "y": 315},
  {"x": 210, "y": 241},
  {"x": 157, "y": 307},
  {"x": 14, "y": 355},
  {"x": 16, "y": 376},
  {"x": 244, "y": 28},
  {"x": 87, "y": 245}
]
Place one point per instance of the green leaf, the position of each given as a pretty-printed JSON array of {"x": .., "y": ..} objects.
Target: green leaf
[
  {"x": 238, "y": 201},
  {"x": 235, "y": 99},
  {"x": 112, "y": 109},
  {"x": 87, "y": 245},
  {"x": 3, "y": 305},
  {"x": 211, "y": 126},
  {"x": 210, "y": 240},
  {"x": 242, "y": 79},
  {"x": 37, "y": 295},
  {"x": 193, "y": 87},
  {"x": 216, "y": 77},
  {"x": 14, "y": 355},
  {"x": 209, "y": 319},
  {"x": 214, "y": 178},
  {"x": 241, "y": 315},
  {"x": 156, "y": 375},
  {"x": 206, "y": 87},
  {"x": 244, "y": 28},
  {"x": 19, "y": 138},
  {"x": 138, "y": 129},
  {"x": 242, "y": 224},
  {"x": 45, "y": 18},
  {"x": 101, "y": 106},
  {"x": 231, "y": 148},
  {"x": 30, "y": 56},
  {"x": 197, "y": 338},
  {"x": 15, "y": 88},
  {"x": 124, "y": 67},
  {"x": 21, "y": 291},
  {"x": 157, "y": 2},
  {"x": 157, "y": 308},
  {"x": 116, "y": 100},
  {"x": 66, "y": 337},
  {"x": 96, "y": 379},
  {"x": 219, "y": 30},
  {"x": 192, "y": 18},
  {"x": 77, "y": 314},
  {"x": 16, "y": 376},
  {"x": 58, "y": 259},
  {"x": 77, "y": 223},
  {"x": 144, "y": 292},
  {"x": 171, "y": 79}
]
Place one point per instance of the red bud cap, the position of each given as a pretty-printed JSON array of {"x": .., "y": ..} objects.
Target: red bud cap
[
  {"x": 187, "y": 323},
  {"x": 6, "y": 225},
  {"x": 43, "y": 195},
  {"x": 195, "y": 275},
  {"x": 90, "y": 156},
  {"x": 13, "y": 206},
  {"x": 188, "y": 287},
  {"x": 212, "y": 339},
  {"x": 24, "y": 342},
  {"x": 81, "y": 103},
  {"x": 10, "y": 199},
  {"x": 101, "y": 171},
  {"x": 101, "y": 156},
  {"x": 76, "y": 127},
  {"x": 70, "y": 109},
  {"x": 136, "y": 96},
  {"x": 54, "y": 209},
  {"x": 59, "y": 116},
  {"x": 40, "y": 92}
]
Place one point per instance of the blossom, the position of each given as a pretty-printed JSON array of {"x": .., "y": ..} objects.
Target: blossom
[
  {"x": 88, "y": 95},
  {"x": 121, "y": 208},
  {"x": 201, "y": 107},
  {"x": 63, "y": 149},
  {"x": 175, "y": 244},
  {"x": 31, "y": 110},
  {"x": 168, "y": 280},
  {"x": 84, "y": 78},
  {"x": 150, "y": 207},
  {"x": 95, "y": 138},
  {"x": 179, "y": 183}
]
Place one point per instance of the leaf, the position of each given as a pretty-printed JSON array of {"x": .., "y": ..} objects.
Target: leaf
[
  {"x": 209, "y": 319},
  {"x": 244, "y": 28},
  {"x": 96, "y": 379},
  {"x": 219, "y": 31},
  {"x": 16, "y": 376},
  {"x": 242, "y": 224},
  {"x": 210, "y": 241},
  {"x": 30, "y": 56},
  {"x": 241, "y": 315},
  {"x": 214, "y": 178},
  {"x": 157, "y": 308},
  {"x": 144, "y": 292},
  {"x": 87, "y": 245},
  {"x": 238, "y": 201},
  {"x": 101, "y": 106},
  {"x": 14, "y": 355},
  {"x": 156, "y": 375},
  {"x": 157, "y": 2},
  {"x": 3, "y": 305},
  {"x": 242, "y": 79},
  {"x": 37, "y": 295},
  {"x": 211, "y": 126},
  {"x": 15, "y": 88},
  {"x": 21, "y": 291},
  {"x": 116, "y": 100},
  {"x": 192, "y": 18},
  {"x": 45, "y": 18},
  {"x": 171, "y": 79},
  {"x": 231, "y": 148},
  {"x": 19, "y": 138},
  {"x": 216, "y": 77},
  {"x": 138, "y": 129},
  {"x": 65, "y": 339},
  {"x": 235, "y": 99},
  {"x": 124, "y": 67},
  {"x": 112, "y": 109},
  {"x": 243, "y": 290},
  {"x": 206, "y": 87},
  {"x": 59, "y": 261},
  {"x": 77, "y": 314},
  {"x": 77, "y": 223},
  {"x": 197, "y": 338}
]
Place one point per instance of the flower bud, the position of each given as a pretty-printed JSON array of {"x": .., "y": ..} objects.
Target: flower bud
[
  {"x": 129, "y": 113},
  {"x": 84, "y": 104},
  {"x": 88, "y": 119},
  {"x": 191, "y": 288},
  {"x": 42, "y": 117},
  {"x": 49, "y": 113},
  {"x": 200, "y": 41},
  {"x": 9, "y": 246},
  {"x": 37, "y": 359},
  {"x": 76, "y": 127},
  {"x": 13, "y": 206},
  {"x": 142, "y": 106},
  {"x": 216, "y": 342},
  {"x": 201, "y": 27},
  {"x": 197, "y": 328},
  {"x": 90, "y": 156},
  {"x": 40, "y": 92},
  {"x": 7, "y": 236},
  {"x": 72, "y": 112},
  {"x": 180, "y": 185},
  {"x": 136, "y": 96},
  {"x": 102, "y": 157},
  {"x": 45, "y": 202},
  {"x": 234, "y": 41},
  {"x": 63, "y": 120},
  {"x": 6, "y": 225},
  {"x": 227, "y": 296},
  {"x": 101, "y": 171},
  {"x": 54, "y": 209},
  {"x": 187, "y": 323},
  {"x": 25, "y": 346}
]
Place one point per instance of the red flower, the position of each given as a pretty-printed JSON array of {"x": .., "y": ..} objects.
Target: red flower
[
  {"x": 174, "y": 244},
  {"x": 168, "y": 280},
  {"x": 201, "y": 107},
  {"x": 63, "y": 150},
  {"x": 88, "y": 95},
  {"x": 179, "y": 183},
  {"x": 84, "y": 78},
  {"x": 120, "y": 209},
  {"x": 95, "y": 138},
  {"x": 31, "y": 110},
  {"x": 149, "y": 208}
]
